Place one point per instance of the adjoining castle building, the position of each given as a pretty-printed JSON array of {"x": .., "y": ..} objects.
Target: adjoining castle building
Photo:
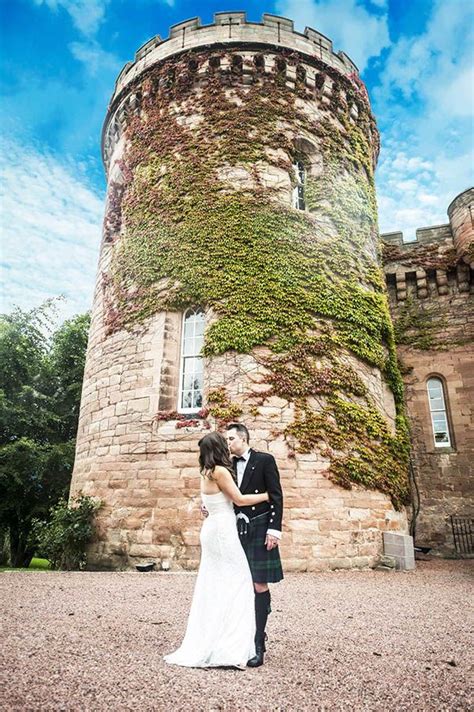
[
  {"x": 240, "y": 279},
  {"x": 430, "y": 285}
]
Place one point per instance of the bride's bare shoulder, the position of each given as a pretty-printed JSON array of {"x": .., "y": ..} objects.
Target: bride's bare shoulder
[{"x": 220, "y": 471}]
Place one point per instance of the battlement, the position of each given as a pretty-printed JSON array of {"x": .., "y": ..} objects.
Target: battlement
[
  {"x": 253, "y": 49},
  {"x": 424, "y": 236},
  {"x": 437, "y": 247},
  {"x": 233, "y": 28},
  {"x": 426, "y": 267}
]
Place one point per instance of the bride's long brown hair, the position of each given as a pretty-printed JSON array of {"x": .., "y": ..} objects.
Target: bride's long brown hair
[{"x": 213, "y": 451}]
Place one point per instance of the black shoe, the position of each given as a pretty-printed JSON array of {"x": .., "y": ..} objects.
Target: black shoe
[
  {"x": 260, "y": 649},
  {"x": 257, "y": 660}
]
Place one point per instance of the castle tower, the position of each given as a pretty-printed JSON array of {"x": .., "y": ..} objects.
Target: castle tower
[
  {"x": 239, "y": 279},
  {"x": 461, "y": 217}
]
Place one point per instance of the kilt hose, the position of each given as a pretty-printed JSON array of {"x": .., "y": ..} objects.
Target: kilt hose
[{"x": 265, "y": 566}]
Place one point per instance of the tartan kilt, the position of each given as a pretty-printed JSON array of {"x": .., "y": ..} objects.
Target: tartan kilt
[{"x": 265, "y": 566}]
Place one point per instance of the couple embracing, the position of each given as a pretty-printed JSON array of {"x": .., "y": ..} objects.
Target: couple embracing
[{"x": 231, "y": 601}]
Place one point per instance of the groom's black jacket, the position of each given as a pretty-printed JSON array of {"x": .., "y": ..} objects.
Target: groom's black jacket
[{"x": 261, "y": 475}]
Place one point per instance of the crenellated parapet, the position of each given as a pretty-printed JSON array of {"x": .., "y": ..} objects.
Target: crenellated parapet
[
  {"x": 245, "y": 50},
  {"x": 439, "y": 262},
  {"x": 233, "y": 27},
  {"x": 430, "y": 282}
]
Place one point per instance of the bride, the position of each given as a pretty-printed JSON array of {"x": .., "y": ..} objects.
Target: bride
[{"x": 221, "y": 624}]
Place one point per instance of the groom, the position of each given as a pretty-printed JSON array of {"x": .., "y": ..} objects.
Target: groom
[{"x": 258, "y": 472}]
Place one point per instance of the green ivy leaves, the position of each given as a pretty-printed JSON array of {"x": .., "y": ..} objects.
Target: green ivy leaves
[{"x": 202, "y": 224}]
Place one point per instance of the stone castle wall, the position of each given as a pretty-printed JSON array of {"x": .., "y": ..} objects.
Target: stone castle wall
[
  {"x": 144, "y": 468},
  {"x": 430, "y": 284}
]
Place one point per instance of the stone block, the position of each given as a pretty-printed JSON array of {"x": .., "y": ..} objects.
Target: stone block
[
  {"x": 331, "y": 525},
  {"x": 359, "y": 514},
  {"x": 145, "y": 550},
  {"x": 400, "y": 546},
  {"x": 138, "y": 405},
  {"x": 279, "y": 449}
]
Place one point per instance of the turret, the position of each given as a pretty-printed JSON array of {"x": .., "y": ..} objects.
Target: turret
[{"x": 461, "y": 217}]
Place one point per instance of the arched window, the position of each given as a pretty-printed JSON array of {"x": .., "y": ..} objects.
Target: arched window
[
  {"x": 191, "y": 371},
  {"x": 439, "y": 417},
  {"x": 299, "y": 201}
]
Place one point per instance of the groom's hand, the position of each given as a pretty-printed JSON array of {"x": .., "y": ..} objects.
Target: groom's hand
[
  {"x": 271, "y": 542},
  {"x": 204, "y": 511}
]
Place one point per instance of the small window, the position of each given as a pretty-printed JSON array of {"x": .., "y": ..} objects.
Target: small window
[
  {"x": 300, "y": 75},
  {"x": 319, "y": 81},
  {"x": 191, "y": 372},
  {"x": 259, "y": 62},
  {"x": 237, "y": 64},
  {"x": 299, "y": 190},
  {"x": 439, "y": 417},
  {"x": 214, "y": 64},
  {"x": 280, "y": 68}
]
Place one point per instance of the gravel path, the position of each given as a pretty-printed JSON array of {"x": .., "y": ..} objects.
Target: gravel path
[{"x": 347, "y": 640}]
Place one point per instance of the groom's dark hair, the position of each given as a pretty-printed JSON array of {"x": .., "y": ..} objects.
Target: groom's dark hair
[{"x": 241, "y": 429}]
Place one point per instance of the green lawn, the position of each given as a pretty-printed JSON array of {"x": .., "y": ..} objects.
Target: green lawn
[
  {"x": 36, "y": 565},
  {"x": 39, "y": 564}
]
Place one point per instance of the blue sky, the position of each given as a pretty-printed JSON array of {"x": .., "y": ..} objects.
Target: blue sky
[{"x": 59, "y": 62}]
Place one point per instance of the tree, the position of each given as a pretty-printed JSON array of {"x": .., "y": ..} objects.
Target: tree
[{"x": 40, "y": 386}]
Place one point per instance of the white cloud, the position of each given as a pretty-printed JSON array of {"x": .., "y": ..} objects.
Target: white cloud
[
  {"x": 425, "y": 107},
  {"x": 350, "y": 26},
  {"x": 51, "y": 223},
  {"x": 410, "y": 198},
  {"x": 87, "y": 15},
  {"x": 96, "y": 59}
]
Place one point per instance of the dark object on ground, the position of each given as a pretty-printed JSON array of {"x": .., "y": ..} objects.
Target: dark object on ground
[{"x": 146, "y": 567}]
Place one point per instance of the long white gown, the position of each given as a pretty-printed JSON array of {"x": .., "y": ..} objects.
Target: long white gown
[{"x": 221, "y": 624}]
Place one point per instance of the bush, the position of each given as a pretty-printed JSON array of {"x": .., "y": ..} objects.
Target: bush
[{"x": 65, "y": 538}]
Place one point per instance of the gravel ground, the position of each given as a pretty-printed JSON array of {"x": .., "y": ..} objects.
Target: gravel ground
[{"x": 362, "y": 640}]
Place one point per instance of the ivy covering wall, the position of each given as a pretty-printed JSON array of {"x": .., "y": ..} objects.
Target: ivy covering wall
[{"x": 202, "y": 223}]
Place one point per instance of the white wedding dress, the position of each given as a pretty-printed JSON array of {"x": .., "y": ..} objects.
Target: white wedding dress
[{"x": 221, "y": 624}]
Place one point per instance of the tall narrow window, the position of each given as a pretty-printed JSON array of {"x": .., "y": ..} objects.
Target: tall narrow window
[
  {"x": 439, "y": 418},
  {"x": 191, "y": 372},
  {"x": 299, "y": 201}
]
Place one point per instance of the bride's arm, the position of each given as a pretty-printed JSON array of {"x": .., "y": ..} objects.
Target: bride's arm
[{"x": 227, "y": 485}]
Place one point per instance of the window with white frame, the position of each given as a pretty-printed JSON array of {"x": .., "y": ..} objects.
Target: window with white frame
[
  {"x": 299, "y": 201},
  {"x": 191, "y": 371},
  {"x": 439, "y": 417}
]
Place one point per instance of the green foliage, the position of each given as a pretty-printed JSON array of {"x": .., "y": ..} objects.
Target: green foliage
[
  {"x": 221, "y": 407},
  {"x": 39, "y": 564},
  {"x": 40, "y": 382},
  {"x": 189, "y": 235},
  {"x": 66, "y": 369},
  {"x": 63, "y": 540},
  {"x": 416, "y": 328}
]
